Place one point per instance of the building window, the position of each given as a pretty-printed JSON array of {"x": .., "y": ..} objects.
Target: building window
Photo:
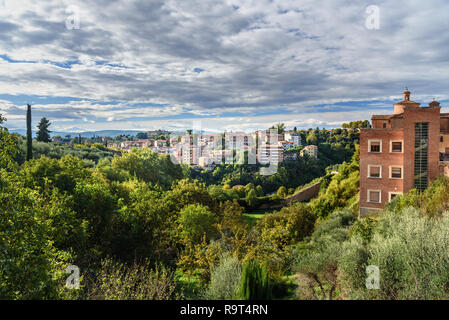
[
  {"x": 421, "y": 155},
  {"x": 396, "y": 146},
  {"x": 392, "y": 195},
  {"x": 396, "y": 172},
  {"x": 385, "y": 125},
  {"x": 441, "y": 139},
  {"x": 375, "y": 146},
  {"x": 374, "y": 171},
  {"x": 374, "y": 196}
]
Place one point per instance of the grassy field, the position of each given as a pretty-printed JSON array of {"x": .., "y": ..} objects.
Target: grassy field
[
  {"x": 190, "y": 286},
  {"x": 253, "y": 217}
]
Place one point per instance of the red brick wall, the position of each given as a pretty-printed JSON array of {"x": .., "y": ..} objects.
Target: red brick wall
[
  {"x": 403, "y": 129},
  {"x": 444, "y": 124},
  {"x": 385, "y": 159}
]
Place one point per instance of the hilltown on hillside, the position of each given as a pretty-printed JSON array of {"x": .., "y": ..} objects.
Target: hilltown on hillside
[{"x": 208, "y": 150}]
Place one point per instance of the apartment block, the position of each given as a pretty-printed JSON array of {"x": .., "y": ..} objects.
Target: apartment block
[
  {"x": 239, "y": 140},
  {"x": 294, "y": 137},
  {"x": 270, "y": 153},
  {"x": 404, "y": 150},
  {"x": 310, "y": 150}
]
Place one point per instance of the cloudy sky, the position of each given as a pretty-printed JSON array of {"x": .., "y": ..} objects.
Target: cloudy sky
[{"x": 231, "y": 64}]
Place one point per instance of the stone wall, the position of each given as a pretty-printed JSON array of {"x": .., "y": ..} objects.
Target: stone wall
[{"x": 304, "y": 195}]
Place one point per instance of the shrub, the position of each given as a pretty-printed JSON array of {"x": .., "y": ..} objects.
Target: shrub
[
  {"x": 433, "y": 201},
  {"x": 31, "y": 267},
  {"x": 282, "y": 192},
  {"x": 317, "y": 262},
  {"x": 410, "y": 250},
  {"x": 116, "y": 281},
  {"x": 225, "y": 279}
]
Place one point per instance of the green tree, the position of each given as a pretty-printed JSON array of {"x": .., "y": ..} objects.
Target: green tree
[
  {"x": 43, "y": 134},
  {"x": 280, "y": 127},
  {"x": 142, "y": 135},
  {"x": 146, "y": 165},
  {"x": 251, "y": 198},
  {"x": 282, "y": 192},
  {"x": 312, "y": 139},
  {"x": 254, "y": 283},
  {"x": 259, "y": 191},
  {"x": 8, "y": 147},
  {"x": 196, "y": 221},
  {"x": 29, "y": 134},
  {"x": 319, "y": 262},
  {"x": 30, "y": 265}
]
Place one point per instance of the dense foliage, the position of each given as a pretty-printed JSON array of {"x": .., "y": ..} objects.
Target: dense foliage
[
  {"x": 140, "y": 227},
  {"x": 91, "y": 154}
]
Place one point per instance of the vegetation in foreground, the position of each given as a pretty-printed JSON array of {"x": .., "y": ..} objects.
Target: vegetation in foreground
[{"x": 139, "y": 227}]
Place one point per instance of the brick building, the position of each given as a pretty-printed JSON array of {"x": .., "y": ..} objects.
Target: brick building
[{"x": 401, "y": 151}]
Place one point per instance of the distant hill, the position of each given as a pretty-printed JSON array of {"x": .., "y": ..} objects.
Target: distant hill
[{"x": 87, "y": 134}]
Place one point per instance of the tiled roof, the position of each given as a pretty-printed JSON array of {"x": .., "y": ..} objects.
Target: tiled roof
[
  {"x": 385, "y": 116},
  {"x": 381, "y": 117}
]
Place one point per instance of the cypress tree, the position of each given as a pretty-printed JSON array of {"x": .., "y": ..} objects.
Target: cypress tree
[
  {"x": 29, "y": 134},
  {"x": 254, "y": 283}
]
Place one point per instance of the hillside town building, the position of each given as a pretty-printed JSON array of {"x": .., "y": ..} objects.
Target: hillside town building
[
  {"x": 208, "y": 150},
  {"x": 311, "y": 151},
  {"x": 404, "y": 150}
]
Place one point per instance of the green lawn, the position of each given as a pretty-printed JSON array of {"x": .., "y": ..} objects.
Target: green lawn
[
  {"x": 253, "y": 217},
  {"x": 191, "y": 289}
]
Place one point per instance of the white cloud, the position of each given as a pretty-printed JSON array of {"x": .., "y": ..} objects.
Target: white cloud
[{"x": 256, "y": 56}]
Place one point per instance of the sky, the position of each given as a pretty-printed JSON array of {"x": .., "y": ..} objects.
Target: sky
[{"x": 226, "y": 64}]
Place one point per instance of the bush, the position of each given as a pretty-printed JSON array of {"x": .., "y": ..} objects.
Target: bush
[
  {"x": 115, "y": 281},
  {"x": 282, "y": 192},
  {"x": 410, "y": 250},
  {"x": 433, "y": 201},
  {"x": 317, "y": 261},
  {"x": 225, "y": 279},
  {"x": 31, "y": 267}
]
